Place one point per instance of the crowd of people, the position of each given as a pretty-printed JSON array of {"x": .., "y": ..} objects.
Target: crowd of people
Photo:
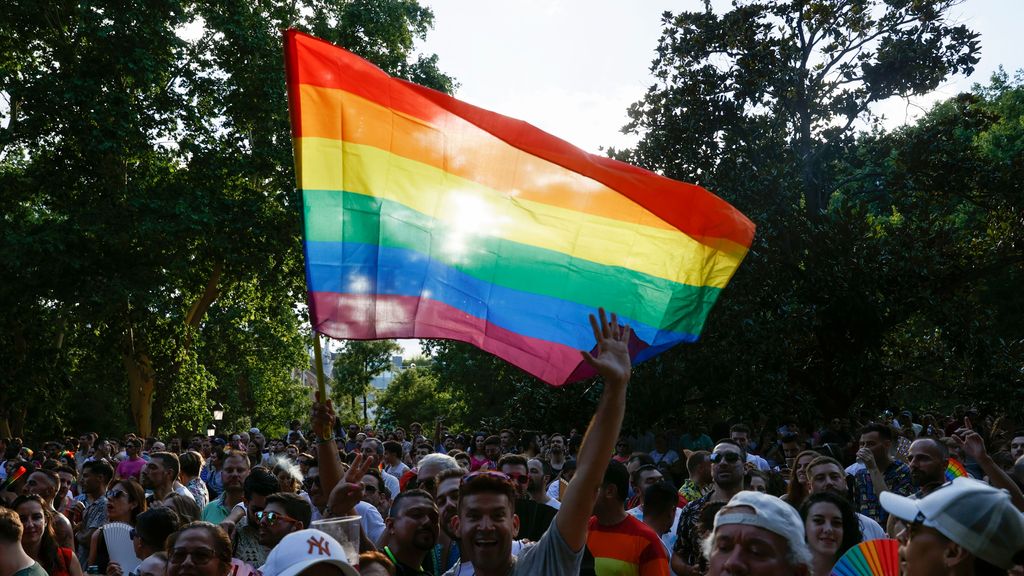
[{"x": 756, "y": 500}]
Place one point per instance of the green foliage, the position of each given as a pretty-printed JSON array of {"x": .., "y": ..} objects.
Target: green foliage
[
  {"x": 356, "y": 365},
  {"x": 148, "y": 207},
  {"x": 414, "y": 395}
]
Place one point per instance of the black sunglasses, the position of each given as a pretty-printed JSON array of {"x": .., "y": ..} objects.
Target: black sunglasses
[{"x": 728, "y": 457}]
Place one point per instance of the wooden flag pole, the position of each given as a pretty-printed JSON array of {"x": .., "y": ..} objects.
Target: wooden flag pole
[{"x": 318, "y": 359}]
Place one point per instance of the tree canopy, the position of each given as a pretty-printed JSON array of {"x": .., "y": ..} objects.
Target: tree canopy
[{"x": 151, "y": 247}]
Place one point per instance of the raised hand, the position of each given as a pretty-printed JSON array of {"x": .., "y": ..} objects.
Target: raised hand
[
  {"x": 970, "y": 441},
  {"x": 612, "y": 360},
  {"x": 322, "y": 418}
]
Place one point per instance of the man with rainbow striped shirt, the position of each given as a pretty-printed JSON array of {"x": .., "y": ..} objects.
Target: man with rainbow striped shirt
[{"x": 620, "y": 543}]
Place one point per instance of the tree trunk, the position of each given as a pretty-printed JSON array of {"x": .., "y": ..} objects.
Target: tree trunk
[
  {"x": 5, "y": 428},
  {"x": 366, "y": 417},
  {"x": 141, "y": 383}
]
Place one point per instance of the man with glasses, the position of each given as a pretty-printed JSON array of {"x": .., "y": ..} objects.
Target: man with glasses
[
  {"x": 515, "y": 467},
  {"x": 534, "y": 517},
  {"x": 727, "y": 470},
  {"x": 245, "y": 540},
  {"x": 285, "y": 512},
  {"x": 132, "y": 465},
  {"x": 375, "y": 492},
  {"x": 487, "y": 524}
]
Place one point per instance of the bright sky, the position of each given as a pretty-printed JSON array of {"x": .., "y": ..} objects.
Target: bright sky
[{"x": 573, "y": 67}]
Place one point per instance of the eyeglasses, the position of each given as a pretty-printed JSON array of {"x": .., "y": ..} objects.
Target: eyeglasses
[
  {"x": 728, "y": 457},
  {"x": 200, "y": 556},
  {"x": 115, "y": 494},
  {"x": 271, "y": 518},
  {"x": 369, "y": 489}
]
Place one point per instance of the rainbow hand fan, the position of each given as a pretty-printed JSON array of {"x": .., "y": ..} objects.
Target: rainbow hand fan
[
  {"x": 955, "y": 469},
  {"x": 871, "y": 558}
]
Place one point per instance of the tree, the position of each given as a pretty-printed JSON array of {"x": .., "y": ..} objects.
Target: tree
[
  {"x": 804, "y": 70},
  {"x": 414, "y": 395},
  {"x": 151, "y": 244},
  {"x": 357, "y": 364}
]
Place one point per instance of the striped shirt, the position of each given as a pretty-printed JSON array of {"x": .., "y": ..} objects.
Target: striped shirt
[{"x": 629, "y": 548}]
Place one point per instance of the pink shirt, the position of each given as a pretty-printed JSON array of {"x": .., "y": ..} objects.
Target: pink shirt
[{"x": 130, "y": 468}]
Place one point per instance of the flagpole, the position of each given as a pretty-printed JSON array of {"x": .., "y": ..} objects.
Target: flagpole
[{"x": 318, "y": 359}]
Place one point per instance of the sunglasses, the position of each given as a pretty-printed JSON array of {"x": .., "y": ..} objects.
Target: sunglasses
[
  {"x": 494, "y": 474},
  {"x": 200, "y": 556},
  {"x": 370, "y": 489},
  {"x": 132, "y": 534},
  {"x": 518, "y": 478},
  {"x": 115, "y": 494},
  {"x": 271, "y": 518},
  {"x": 728, "y": 457}
]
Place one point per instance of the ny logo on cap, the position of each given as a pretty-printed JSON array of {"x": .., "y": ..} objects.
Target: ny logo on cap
[{"x": 323, "y": 547}]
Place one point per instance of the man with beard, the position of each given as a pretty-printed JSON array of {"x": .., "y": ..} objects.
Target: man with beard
[
  {"x": 928, "y": 459},
  {"x": 285, "y": 512},
  {"x": 412, "y": 529},
  {"x": 825, "y": 474},
  {"x": 880, "y": 473},
  {"x": 539, "y": 477},
  {"x": 161, "y": 474},
  {"x": 245, "y": 541},
  {"x": 234, "y": 471},
  {"x": 727, "y": 470},
  {"x": 557, "y": 462}
]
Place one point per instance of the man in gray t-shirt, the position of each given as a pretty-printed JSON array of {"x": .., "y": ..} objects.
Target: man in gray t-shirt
[{"x": 487, "y": 524}]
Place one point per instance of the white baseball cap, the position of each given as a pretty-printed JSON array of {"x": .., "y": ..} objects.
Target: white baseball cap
[
  {"x": 769, "y": 512},
  {"x": 300, "y": 550},
  {"x": 254, "y": 430},
  {"x": 971, "y": 513}
]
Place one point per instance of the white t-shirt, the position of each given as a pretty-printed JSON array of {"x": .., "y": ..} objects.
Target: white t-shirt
[
  {"x": 761, "y": 463},
  {"x": 869, "y": 529},
  {"x": 668, "y": 458}
]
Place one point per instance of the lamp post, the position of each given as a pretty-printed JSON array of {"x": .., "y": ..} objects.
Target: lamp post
[
  {"x": 211, "y": 430},
  {"x": 218, "y": 412}
]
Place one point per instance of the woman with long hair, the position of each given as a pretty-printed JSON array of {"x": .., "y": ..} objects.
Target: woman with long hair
[
  {"x": 476, "y": 454},
  {"x": 125, "y": 501},
  {"x": 796, "y": 490},
  {"x": 831, "y": 528},
  {"x": 39, "y": 540}
]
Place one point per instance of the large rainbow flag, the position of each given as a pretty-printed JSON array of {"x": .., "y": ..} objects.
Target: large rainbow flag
[{"x": 426, "y": 217}]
